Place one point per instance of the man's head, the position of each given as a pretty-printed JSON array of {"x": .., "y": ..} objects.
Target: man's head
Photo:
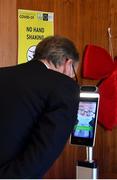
[
  {"x": 86, "y": 112},
  {"x": 87, "y": 109},
  {"x": 58, "y": 53}
]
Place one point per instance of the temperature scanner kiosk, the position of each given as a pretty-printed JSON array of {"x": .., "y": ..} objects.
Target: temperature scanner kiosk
[{"x": 84, "y": 131}]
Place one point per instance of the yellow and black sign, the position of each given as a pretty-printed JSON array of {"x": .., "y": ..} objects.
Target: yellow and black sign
[{"x": 33, "y": 26}]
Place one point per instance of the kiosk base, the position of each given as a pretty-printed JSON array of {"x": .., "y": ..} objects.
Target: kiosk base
[{"x": 86, "y": 170}]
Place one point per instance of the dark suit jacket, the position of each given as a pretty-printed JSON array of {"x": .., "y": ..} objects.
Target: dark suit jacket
[{"x": 38, "y": 109}]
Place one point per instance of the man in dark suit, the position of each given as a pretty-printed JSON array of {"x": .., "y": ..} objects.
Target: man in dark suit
[{"x": 38, "y": 109}]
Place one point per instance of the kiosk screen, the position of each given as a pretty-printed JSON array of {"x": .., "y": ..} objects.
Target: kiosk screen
[{"x": 85, "y": 127}]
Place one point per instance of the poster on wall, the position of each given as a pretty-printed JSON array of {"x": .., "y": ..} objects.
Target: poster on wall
[{"x": 33, "y": 26}]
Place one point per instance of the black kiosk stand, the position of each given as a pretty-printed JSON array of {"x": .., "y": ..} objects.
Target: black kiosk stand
[
  {"x": 87, "y": 169},
  {"x": 85, "y": 130}
]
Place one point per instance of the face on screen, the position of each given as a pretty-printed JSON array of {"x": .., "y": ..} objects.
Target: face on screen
[{"x": 85, "y": 120}]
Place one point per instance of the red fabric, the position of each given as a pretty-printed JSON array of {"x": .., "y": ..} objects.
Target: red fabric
[
  {"x": 115, "y": 62},
  {"x": 107, "y": 115},
  {"x": 97, "y": 63}
]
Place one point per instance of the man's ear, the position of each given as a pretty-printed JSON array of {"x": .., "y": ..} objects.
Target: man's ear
[{"x": 68, "y": 67}]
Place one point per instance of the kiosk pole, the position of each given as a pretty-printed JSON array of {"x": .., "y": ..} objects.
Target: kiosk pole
[{"x": 89, "y": 154}]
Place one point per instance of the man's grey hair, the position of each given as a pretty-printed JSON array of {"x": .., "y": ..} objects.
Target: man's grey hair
[{"x": 56, "y": 49}]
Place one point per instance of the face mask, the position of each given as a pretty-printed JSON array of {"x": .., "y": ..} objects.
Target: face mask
[{"x": 84, "y": 119}]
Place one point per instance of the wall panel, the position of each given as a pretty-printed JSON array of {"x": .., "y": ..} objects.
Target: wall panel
[{"x": 8, "y": 32}]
